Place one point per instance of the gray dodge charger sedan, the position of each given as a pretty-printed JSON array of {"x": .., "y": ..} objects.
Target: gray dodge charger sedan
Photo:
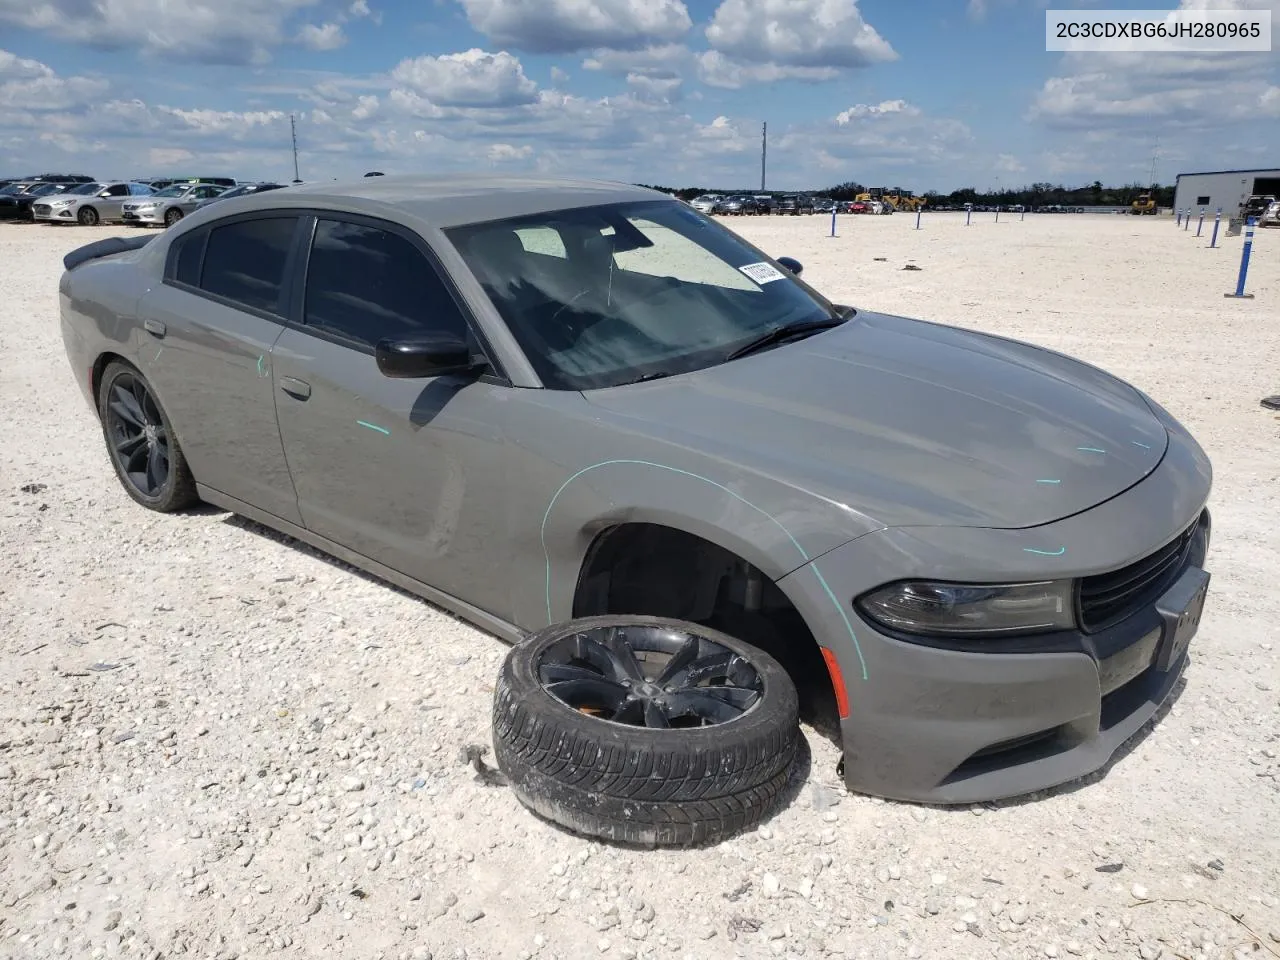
[{"x": 536, "y": 400}]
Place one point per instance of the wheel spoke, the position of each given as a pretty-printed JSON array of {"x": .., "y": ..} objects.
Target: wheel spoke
[
  {"x": 606, "y": 657},
  {"x": 137, "y": 459},
  {"x": 623, "y": 653},
  {"x": 155, "y": 470},
  {"x": 149, "y": 408},
  {"x": 631, "y": 712},
  {"x": 128, "y": 446},
  {"x": 687, "y": 654},
  {"x": 559, "y": 672},
  {"x": 596, "y": 692},
  {"x": 125, "y": 406},
  {"x": 701, "y": 669},
  {"x": 140, "y": 398},
  {"x": 703, "y": 703},
  {"x": 655, "y": 715}
]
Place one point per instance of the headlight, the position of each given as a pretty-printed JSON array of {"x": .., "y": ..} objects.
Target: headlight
[
  {"x": 145, "y": 206},
  {"x": 969, "y": 610},
  {"x": 61, "y": 203}
]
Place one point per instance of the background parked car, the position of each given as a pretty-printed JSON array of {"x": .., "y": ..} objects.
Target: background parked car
[
  {"x": 169, "y": 205},
  {"x": 794, "y": 204},
  {"x": 16, "y": 200},
  {"x": 1271, "y": 216},
  {"x": 707, "y": 203},
  {"x": 243, "y": 190},
  {"x": 160, "y": 183},
  {"x": 89, "y": 203}
]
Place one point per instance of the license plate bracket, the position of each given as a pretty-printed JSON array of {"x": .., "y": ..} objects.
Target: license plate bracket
[{"x": 1180, "y": 610}]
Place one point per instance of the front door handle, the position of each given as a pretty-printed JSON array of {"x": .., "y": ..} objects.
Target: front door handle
[
  {"x": 154, "y": 327},
  {"x": 295, "y": 387}
]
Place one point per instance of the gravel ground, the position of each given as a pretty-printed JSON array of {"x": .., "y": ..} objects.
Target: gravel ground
[{"x": 217, "y": 743}]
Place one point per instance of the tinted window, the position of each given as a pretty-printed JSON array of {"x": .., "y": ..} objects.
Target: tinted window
[
  {"x": 365, "y": 284},
  {"x": 244, "y": 261},
  {"x": 118, "y": 190},
  {"x": 1202, "y": 201},
  {"x": 190, "y": 250}
]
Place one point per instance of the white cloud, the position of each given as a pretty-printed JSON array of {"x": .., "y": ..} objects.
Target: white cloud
[
  {"x": 32, "y": 85},
  {"x": 502, "y": 152},
  {"x": 558, "y": 75},
  {"x": 882, "y": 109},
  {"x": 717, "y": 70},
  {"x": 366, "y": 108},
  {"x": 1007, "y": 163},
  {"x": 328, "y": 36},
  {"x": 211, "y": 31},
  {"x": 474, "y": 78},
  {"x": 797, "y": 33},
  {"x": 660, "y": 89},
  {"x": 566, "y": 26}
]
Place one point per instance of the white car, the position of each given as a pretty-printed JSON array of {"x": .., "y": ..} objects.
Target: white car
[
  {"x": 1270, "y": 216},
  {"x": 89, "y": 203}
]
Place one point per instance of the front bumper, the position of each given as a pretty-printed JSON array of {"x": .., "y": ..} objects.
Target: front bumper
[
  {"x": 936, "y": 724},
  {"x": 151, "y": 217},
  {"x": 54, "y": 214}
]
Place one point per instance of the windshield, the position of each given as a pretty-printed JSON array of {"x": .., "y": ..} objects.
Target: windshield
[
  {"x": 174, "y": 191},
  {"x": 85, "y": 189},
  {"x": 605, "y": 295}
]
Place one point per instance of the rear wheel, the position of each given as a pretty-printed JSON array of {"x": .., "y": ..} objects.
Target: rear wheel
[
  {"x": 645, "y": 730},
  {"x": 87, "y": 216},
  {"x": 172, "y": 216},
  {"x": 141, "y": 443}
]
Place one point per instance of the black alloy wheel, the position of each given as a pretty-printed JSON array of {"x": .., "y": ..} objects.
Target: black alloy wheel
[
  {"x": 608, "y": 672},
  {"x": 645, "y": 730},
  {"x": 140, "y": 441}
]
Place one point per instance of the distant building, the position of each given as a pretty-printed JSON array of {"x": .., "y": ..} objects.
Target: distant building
[{"x": 1227, "y": 189}]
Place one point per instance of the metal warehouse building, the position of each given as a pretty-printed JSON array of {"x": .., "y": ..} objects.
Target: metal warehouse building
[{"x": 1224, "y": 188}]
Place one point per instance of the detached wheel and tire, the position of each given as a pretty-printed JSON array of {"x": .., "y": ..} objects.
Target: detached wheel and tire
[
  {"x": 645, "y": 730},
  {"x": 141, "y": 442}
]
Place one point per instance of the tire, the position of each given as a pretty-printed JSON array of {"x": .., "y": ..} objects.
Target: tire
[
  {"x": 631, "y": 783},
  {"x": 172, "y": 216},
  {"x": 177, "y": 490},
  {"x": 87, "y": 217}
]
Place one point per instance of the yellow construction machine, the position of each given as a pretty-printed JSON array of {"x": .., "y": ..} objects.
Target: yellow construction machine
[{"x": 1145, "y": 204}]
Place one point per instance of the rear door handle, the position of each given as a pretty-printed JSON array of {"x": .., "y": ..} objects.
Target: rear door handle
[
  {"x": 154, "y": 327},
  {"x": 295, "y": 387}
]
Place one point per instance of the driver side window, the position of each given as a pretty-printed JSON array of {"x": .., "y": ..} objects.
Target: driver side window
[
  {"x": 365, "y": 284},
  {"x": 118, "y": 190}
]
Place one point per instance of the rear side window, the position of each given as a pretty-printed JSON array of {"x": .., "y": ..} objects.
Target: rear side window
[
  {"x": 245, "y": 261},
  {"x": 187, "y": 264}
]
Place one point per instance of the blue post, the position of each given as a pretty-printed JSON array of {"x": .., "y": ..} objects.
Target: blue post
[
  {"x": 968, "y": 215},
  {"x": 1244, "y": 263},
  {"x": 1179, "y": 223},
  {"x": 833, "y": 221},
  {"x": 1023, "y": 215},
  {"x": 1200, "y": 225},
  {"x": 918, "y": 212},
  {"x": 1217, "y": 218},
  {"x": 1186, "y": 221},
  {"x": 997, "y": 213}
]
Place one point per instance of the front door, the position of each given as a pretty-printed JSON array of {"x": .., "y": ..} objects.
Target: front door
[{"x": 404, "y": 472}]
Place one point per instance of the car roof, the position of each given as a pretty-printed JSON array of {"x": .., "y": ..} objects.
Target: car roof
[{"x": 445, "y": 201}]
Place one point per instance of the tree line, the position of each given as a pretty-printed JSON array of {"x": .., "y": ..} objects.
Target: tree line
[{"x": 1041, "y": 194}]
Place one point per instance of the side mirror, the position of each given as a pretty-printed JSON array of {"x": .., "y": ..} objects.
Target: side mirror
[
  {"x": 791, "y": 264},
  {"x": 438, "y": 355}
]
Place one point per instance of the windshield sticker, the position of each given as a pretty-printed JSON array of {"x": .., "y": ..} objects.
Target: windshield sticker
[{"x": 762, "y": 272}]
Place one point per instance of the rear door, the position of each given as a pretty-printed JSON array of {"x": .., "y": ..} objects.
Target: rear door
[
  {"x": 211, "y": 326},
  {"x": 405, "y": 472}
]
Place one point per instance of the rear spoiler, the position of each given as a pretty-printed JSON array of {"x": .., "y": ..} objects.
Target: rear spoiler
[{"x": 104, "y": 248}]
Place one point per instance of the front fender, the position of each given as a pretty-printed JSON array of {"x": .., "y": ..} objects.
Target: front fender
[{"x": 770, "y": 524}]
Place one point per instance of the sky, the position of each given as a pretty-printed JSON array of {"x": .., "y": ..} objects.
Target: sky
[{"x": 922, "y": 94}]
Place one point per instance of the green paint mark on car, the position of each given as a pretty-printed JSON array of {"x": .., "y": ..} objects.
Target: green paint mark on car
[
  {"x": 374, "y": 426},
  {"x": 685, "y": 473},
  {"x": 1045, "y": 553}
]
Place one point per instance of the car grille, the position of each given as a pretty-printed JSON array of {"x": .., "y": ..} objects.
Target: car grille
[
  {"x": 1108, "y": 598},
  {"x": 42, "y": 208}
]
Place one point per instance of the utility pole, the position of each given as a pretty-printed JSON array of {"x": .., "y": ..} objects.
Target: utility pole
[
  {"x": 764, "y": 153},
  {"x": 293, "y": 132},
  {"x": 1154, "y": 155}
]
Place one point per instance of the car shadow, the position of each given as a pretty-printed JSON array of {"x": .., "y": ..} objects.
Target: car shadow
[
  {"x": 252, "y": 526},
  {"x": 1073, "y": 786},
  {"x": 435, "y": 396}
]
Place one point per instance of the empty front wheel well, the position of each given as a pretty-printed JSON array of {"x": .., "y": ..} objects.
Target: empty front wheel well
[{"x": 654, "y": 570}]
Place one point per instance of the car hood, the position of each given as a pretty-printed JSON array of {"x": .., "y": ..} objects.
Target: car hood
[{"x": 910, "y": 422}]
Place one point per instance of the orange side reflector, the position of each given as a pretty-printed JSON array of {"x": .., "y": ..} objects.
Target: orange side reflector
[{"x": 837, "y": 683}]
